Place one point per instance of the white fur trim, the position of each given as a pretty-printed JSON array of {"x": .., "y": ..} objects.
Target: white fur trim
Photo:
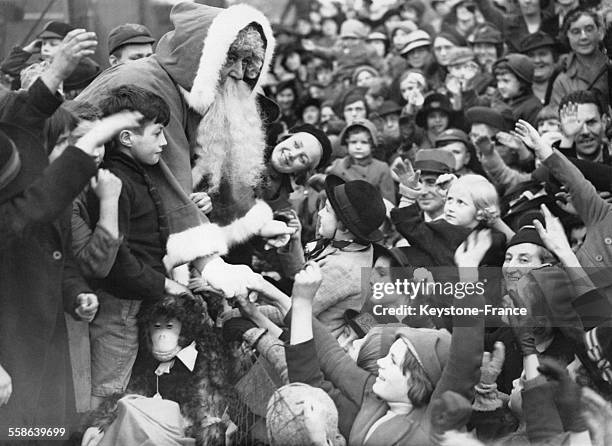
[
  {"x": 200, "y": 241},
  {"x": 207, "y": 239},
  {"x": 221, "y": 34},
  {"x": 245, "y": 227}
]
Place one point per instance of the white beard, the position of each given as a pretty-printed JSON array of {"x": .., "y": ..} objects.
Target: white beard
[{"x": 231, "y": 140}]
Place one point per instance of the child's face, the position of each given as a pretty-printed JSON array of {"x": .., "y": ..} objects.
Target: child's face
[
  {"x": 311, "y": 115},
  {"x": 486, "y": 53},
  {"x": 410, "y": 85},
  {"x": 419, "y": 57},
  {"x": 364, "y": 79},
  {"x": 147, "y": 148},
  {"x": 437, "y": 122},
  {"x": 359, "y": 145},
  {"x": 549, "y": 125},
  {"x": 328, "y": 222},
  {"x": 391, "y": 385},
  {"x": 327, "y": 114},
  {"x": 49, "y": 47},
  {"x": 346, "y": 340},
  {"x": 508, "y": 85},
  {"x": 459, "y": 208},
  {"x": 460, "y": 152},
  {"x": 355, "y": 111}
]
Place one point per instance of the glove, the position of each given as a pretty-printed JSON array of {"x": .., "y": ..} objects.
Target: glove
[
  {"x": 486, "y": 390},
  {"x": 567, "y": 397}
]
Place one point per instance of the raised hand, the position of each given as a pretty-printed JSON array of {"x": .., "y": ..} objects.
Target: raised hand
[
  {"x": 553, "y": 235},
  {"x": 307, "y": 282},
  {"x": 76, "y": 45},
  {"x": 492, "y": 364},
  {"x": 532, "y": 139},
  {"x": 471, "y": 252},
  {"x": 106, "y": 128},
  {"x": 570, "y": 124},
  {"x": 484, "y": 145},
  {"x": 405, "y": 173},
  {"x": 106, "y": 185}
]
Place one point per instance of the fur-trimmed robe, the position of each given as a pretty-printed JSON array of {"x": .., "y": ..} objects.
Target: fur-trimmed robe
[{"x": 184, "y": 71}]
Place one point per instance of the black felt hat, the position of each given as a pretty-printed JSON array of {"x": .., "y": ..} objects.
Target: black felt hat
[{"x": 357, "y": 204}]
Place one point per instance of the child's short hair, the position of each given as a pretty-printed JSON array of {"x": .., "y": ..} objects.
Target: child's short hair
[
  {"x": 354, "y": 130},
  {"x": 546, "y": 113},
  {"x": 134, "y": 98},
  {"x": 483, "y": 194}
]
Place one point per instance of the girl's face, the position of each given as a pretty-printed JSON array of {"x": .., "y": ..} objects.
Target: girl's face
[
  {"x": 311, "y": 115},
  {"x": 584, "y": 36},
  {"x": 285, "y": 99},
  {"x": 364, "y": 79},
  {"x": 359, "y": 145},
  {"x": 508, "y": 85},
  {"x": 549, "y": 125},
  {"x": 459, "y": 207},
  {"x": 328, "y": 222},
  {"x": 419, "y": 57},
  {"x": 391, "y": 384},
  {"x": 437, "y": 122},
  {"x": 442, "y": 48}
]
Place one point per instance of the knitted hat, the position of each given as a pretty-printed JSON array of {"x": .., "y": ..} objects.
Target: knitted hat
[
  {"x": 459, "y": 55},
  {"x": 486, "y": 33},
  {"x": 434, "y": 161},
  {"x": 300, "y": 414},
  {"x": 430, "y": 348},
  {"x": 358, "y": 204},
  {"x": 433, "y": 102},
  {"x": 519, "y": 64},
  {"x": 128, "y": 33},
  {"x": 364, "y": 124},
  {"x": 527, "y": 234},
  {"x": 55, "y": 30},
  {"x": 416, "y": 39},
  {"x": 321, "y": 137},
  {"x": 539, "y": 39},
  {"x": 451, "y": 135},
  {"x": 489, "y": 116},
  {"x": 352, "y": 28}
]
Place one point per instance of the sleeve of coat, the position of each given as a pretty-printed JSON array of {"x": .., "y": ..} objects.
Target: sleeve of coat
[
  {"x": 15, "y": 61},
  {"x": 337, "y": 366},
  {"x": 138, "y": 278},
  {"x": 339, "y": 282},
  {"x": 587, "y": 202},
  {"x": 540, "y": 412},
  {"x": 462, "y": 370},
  {"x": 387, "y": 185},
  {"x": 45, "y": 199},
  {"x": 94, "y": 250},
  {"x": 409, "y": 223},
  {"x": 502, "y": 176}
]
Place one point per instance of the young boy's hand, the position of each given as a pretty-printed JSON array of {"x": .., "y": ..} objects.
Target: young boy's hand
[
  {"x": 106, "y": 185},
  {"x": 87, "y": 306},
  {"x": 6, "y": 386},
  {"x": 307, "y": 282},
  {"x": 105, "y": 129},
  {"x": 202, "y": 201}
]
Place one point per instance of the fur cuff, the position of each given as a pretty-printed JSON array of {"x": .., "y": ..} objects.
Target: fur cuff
[
  {"x": 200, "y": 241},
  {"x": 207, "y": 239},
  {"x": 246, "y": 227}
]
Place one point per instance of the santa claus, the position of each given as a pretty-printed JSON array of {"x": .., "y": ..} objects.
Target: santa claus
[{"x": 209, "y": 70}]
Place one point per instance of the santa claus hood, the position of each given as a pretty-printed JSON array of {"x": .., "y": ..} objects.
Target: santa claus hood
[{"x": 195, "y": 51}]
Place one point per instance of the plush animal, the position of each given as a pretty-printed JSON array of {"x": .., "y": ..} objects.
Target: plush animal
[{"x": 181, "y": 359}]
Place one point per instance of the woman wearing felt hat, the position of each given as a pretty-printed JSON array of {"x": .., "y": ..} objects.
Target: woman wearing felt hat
[
  {"x": 435, "y": 116},
  {"x": 348, "y": 224}
]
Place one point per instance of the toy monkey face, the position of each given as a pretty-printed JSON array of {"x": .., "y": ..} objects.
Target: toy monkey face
[{"x": 165, "y": 334}]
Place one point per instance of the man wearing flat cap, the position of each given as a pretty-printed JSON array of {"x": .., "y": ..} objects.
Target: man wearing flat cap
[{"x": 128, "y": 42}]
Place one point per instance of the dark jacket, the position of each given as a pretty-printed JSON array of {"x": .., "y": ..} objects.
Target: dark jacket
[
  {"x": 138, "y": 272},
  {"x": 37, "y": 275},
  {"x": 525, "y": 107}
]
